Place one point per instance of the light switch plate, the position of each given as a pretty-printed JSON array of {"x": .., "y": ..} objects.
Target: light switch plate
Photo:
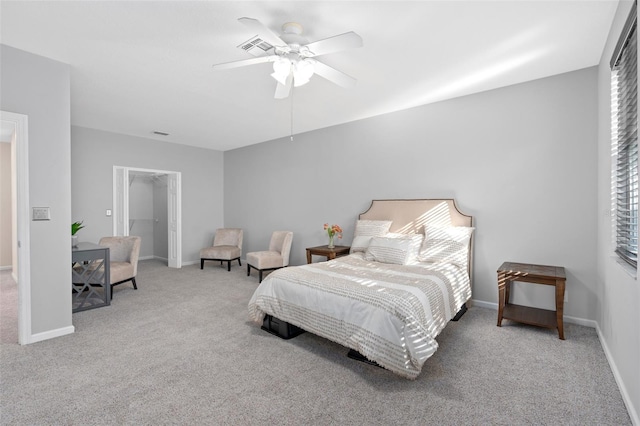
[
  {"x": 108, "y": 212},
  {"x": 40, "y": 213}
]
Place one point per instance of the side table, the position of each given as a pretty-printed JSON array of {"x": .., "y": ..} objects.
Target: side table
[
  {"x": 90, "y": 286},
  {"x": 536, "y": 274},
  {"x": 329, "y": 253}
]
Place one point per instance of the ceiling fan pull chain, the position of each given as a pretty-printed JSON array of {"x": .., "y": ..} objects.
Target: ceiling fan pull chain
[{"x": 292, "y": 91}]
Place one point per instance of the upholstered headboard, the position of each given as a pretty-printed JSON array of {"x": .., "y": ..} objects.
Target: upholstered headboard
[{"x": 410, "y": 216}]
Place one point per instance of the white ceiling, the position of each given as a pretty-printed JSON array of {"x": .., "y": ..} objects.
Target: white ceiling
[{"x": 138, "y": 67}]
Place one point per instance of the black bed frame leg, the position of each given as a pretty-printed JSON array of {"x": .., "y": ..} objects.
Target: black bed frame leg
[
  {"x": 460, "y": 313},
  {"x": 353, "y": 354}
]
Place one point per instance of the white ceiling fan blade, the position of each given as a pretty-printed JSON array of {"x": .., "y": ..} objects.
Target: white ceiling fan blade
[
  {"x": 265, "y": 33},
  {"x": 245, "y": 62},
  {"x": 283, "y": 90},
  {"x": 333, "y": 75},
  {"x": 335, "y": 44}
]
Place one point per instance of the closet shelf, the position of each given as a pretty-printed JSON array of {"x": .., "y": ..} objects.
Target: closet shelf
[{"x": 132, "y": 221}]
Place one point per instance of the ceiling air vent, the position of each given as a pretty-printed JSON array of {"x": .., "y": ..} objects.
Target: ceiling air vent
[{"x": 256, "y": 46}]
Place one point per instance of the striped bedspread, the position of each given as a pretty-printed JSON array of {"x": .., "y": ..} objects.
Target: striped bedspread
[{"x": 389, "y": 313}]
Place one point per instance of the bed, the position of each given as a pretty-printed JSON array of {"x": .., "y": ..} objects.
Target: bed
[{"x": 409, "y": 273}]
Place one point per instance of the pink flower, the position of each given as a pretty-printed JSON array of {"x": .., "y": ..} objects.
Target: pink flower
[{"x": 333, "y": 230}]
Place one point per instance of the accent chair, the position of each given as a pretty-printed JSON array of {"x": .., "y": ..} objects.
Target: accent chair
[
  {"x": 123, "y": 255},
  {"x": 275, "y": 258},
  {"x": 227, "y": 247}
]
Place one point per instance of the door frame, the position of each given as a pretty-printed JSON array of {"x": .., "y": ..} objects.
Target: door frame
[
  {"x": 120, "y": 218},
  {"x": 20, "y": 123}
]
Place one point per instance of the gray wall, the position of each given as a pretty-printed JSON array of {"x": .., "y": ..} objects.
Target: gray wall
[
  {"x": 521, "y": 160},
  {"x": 618, "y": 290},
  {"x": 39, "y": 88},
  {"x": 95, "y": 152}
]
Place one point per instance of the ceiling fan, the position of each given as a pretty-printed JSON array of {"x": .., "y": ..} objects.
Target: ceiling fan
[{"x": 292, "y": 55}]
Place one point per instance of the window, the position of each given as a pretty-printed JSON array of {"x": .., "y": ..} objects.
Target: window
[{"x": 624, "y": 129}]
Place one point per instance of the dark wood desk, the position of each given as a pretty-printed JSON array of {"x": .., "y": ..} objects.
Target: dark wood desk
[
  {"x": 91, "y": 287},
  {"x": 329, "y": 253},
  {"x": 536, "y": 274}
]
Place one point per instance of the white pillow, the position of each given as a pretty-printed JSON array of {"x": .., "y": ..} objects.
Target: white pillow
[
  {"x": 365, "y": 230},
  {"x": 446, "y": 245},
  {"x": 360, "y": 244},
  {"x": 416, "y": 243},
  {"x": 400, "y": 250}
]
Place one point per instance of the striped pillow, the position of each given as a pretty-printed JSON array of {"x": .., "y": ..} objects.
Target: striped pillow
[
  {"x": 446, "y": 245},
  {"x": 398, "y": 250},
  {"x": 365, "y": 230}
]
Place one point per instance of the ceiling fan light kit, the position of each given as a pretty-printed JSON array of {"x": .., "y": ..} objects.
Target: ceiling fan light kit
[
  {"x": 300, "y": 69},
  {"x": 291, "y": 55}
]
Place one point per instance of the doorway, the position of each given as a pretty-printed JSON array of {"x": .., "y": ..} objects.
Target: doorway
[
  {"x": 14, "y": 128},
  {"x": 147, "y": 203}
]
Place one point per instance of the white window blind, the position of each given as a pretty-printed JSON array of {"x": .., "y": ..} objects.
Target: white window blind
[{"x": 624, "y": 66}]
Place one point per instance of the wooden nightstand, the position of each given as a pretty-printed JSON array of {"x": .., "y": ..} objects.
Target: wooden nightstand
[
  {"x": 536, "y": 274},
  {"x": 329, "y": 253}
]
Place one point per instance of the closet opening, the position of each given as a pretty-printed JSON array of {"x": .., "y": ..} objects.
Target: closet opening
[{"x": 147, "y": 204}]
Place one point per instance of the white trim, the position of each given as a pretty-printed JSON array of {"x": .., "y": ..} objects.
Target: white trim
[
  {"x": 174, "y": 222},
  {"x": 626, "y": 398},
  {"x": 114, "y": 213},
  {"x": 23, "y": 278},
  {"x": 6, "y": 268},
  {"x": 140, "y": 169},
  {"x": 50, "y": 334},
  {"x": 482, "y": 304},
  {"x": 580, "y": 321}
]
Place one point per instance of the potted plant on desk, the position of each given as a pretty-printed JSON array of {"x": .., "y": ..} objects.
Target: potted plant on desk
[{"x": 75, "y": 227}]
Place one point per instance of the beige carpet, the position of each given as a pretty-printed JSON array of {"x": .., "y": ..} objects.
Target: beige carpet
[{"x": 180, "y": 350}]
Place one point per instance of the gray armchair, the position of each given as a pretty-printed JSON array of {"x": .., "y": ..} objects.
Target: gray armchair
[{"x": 227, "y": 246}]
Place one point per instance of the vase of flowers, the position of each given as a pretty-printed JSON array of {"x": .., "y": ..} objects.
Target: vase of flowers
[{"x": 332, "y": 231}]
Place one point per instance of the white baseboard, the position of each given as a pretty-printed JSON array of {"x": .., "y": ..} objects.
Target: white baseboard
[
  {"x": 567, "y": 319},
  {"x": 635, "y": 419},
  {"x": 484, "y": 304},
  {"x": 5, "y": 268},
  {"x": 164, "y": 259},
  {"x": 581, "y": 321},
  {"x": 46, "y": 335},
  {"x": 152, "y": 257}
]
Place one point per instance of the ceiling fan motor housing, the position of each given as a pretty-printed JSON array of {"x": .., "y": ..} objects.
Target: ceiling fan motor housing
[
  {"x": 292, "y": 35},
  {"x": 292, "y": 28}
]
